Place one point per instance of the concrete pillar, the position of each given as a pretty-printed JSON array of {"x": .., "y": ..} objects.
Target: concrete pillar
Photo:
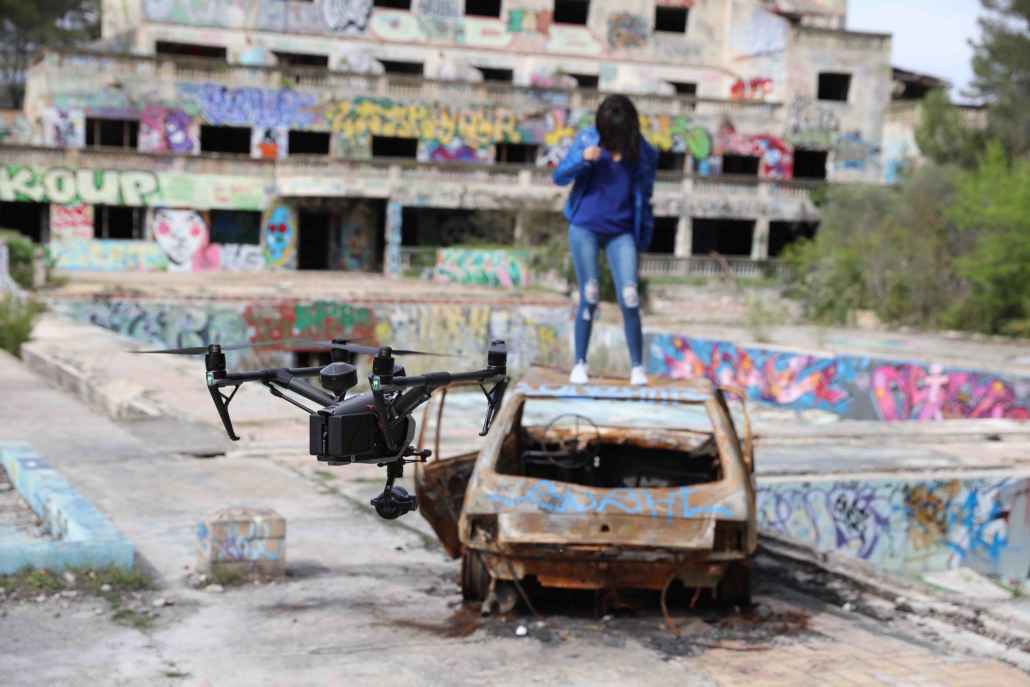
[
  {"x": 760, "y": 239},
  {"x": 684, "y": 237},
  {"x": 392, "y": 257},
  {"x": 520, "y": 228}
]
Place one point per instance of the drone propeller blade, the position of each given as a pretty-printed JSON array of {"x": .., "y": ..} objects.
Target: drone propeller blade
[
  {"x": 369, "y": 350},
  {"x": 198, "y": 350}
]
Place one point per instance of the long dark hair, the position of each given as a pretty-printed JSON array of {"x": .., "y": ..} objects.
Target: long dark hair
[{"x": 619, "y": 126}]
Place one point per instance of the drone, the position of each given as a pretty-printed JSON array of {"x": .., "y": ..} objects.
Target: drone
[{"x": 371, "y": 427}]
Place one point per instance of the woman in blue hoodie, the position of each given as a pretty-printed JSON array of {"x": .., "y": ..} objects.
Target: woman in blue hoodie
[{"x": 612, "y": 169}]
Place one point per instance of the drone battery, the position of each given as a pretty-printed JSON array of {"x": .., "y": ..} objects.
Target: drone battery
[
  {"x": 316, "y": 434},
  {"x": 351, "y": 435}
]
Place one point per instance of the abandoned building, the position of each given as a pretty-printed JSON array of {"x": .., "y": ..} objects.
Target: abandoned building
[{"x": 343, "y": 134}]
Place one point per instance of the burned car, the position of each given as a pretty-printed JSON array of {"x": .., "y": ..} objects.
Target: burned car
[{"x": 600, "y": 487}]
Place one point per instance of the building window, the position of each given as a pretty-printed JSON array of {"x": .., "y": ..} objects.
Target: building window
[
  {"x": 725, "y": 236},
  {"x": 235, "y": 226},
  {"x": 111, "y": 133},
  {"x": 670, "y": 161},
  {"x": 571, "y": 11},
  {"x": 586, "y": 80},
  {"x": 483, "y": 8},
  {"x": 809, "y": 164},
  {"x": 684, "y": 87},
  {"x": 516, "y": 153},
  {"x": 670, "y": 19},
  {"x": 393, "y": 4},
  {"x": 392, "y": 146},
  {"x": 502, "y": 75},
  {"x": 309, "y": 143},
  {"x": 189, "y": 50},
  {"x": 225, "y": 139},
  {"x": 740, "y": 164},
  {"x": 293, "y": 59},
  {"x": 834, "y": 86},
  {"x": 393, "y": 67},
  {"x": 663, "y": 239},
  {"x": 782, "y": 234},
  {"x": 117, "y": 222}
]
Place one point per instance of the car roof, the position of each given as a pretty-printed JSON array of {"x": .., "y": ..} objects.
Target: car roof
[{"x": 552, "y": 382}]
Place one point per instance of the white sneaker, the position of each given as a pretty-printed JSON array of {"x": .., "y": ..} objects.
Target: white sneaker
[
  {"x": 637, "y": 376},
  {"x": 579, "y": 374}
]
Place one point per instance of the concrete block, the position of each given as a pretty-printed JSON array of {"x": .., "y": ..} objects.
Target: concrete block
[{"x": 243, "y": 539}]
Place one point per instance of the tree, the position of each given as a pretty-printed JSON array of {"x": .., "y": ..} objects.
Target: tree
[
  {"x": 1001, "y": 68},
  {"x": 26, "y": 26},
  {"x": 942, "y": 133}
]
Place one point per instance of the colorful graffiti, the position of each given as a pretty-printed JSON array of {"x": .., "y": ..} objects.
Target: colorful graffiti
[
  {"x": 167, "y": 129},
  {"x": 318, "y": 321},
  {"x": 107, "y": 256},
  {"x": 269, "y": 143},
  {"x": 775, "y": 154},
  {"x": 251, "y": 106},
  {"x": 14, "y": 128},
  {"x": 64, "y": 128},
  {"x": 394, "y": 227},
  {"x": 279, "y": 236},
  {"x": 354, "y": 248},
  {"x": 811, "y": 126},
  {"x": 520, "y": 21},
  {"x": 908, "y": 527},
  {"x": 489, "y": 267},
  {"x": 73, "y": 221},
  {"x": 182, "y": 235},
  {"x": 562, "y": 126},
  {"x": 758, "y": 88},
  {"x": 851, "y": 151},
  {"x": 627, "y": 30},
  {"x": 855, "y": 387}
]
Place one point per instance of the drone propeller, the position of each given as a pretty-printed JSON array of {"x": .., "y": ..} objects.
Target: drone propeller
[
  {"x": 370, "y": 350},
  {"x": 198, "y": 350}
]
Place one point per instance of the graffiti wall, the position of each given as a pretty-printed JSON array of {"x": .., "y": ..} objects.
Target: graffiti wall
[
  {"x": 490, "y": 267},
  {"x": 908, "y": 526},
  {"x": 855, "y": 387},
  {"x": 73, "y": 221},
  {"x": 279, "y": 236}
]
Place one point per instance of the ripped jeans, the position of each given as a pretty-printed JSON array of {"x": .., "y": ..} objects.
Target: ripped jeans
[{"x": 621, "y": 250}]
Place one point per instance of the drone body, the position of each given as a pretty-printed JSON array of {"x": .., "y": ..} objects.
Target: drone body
[{"x": 372, "y": 427}]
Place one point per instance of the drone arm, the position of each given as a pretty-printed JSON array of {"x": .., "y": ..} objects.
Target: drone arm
[{"x": 286, "y": 378}]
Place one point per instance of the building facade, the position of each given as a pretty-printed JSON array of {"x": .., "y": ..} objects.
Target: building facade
[{"x": 278, "y": 134}]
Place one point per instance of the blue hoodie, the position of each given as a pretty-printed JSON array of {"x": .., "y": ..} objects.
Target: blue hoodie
[{"x": 573, "y": 168}]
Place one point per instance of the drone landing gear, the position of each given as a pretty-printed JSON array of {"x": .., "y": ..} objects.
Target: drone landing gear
[{"x": 396, "y": 501}]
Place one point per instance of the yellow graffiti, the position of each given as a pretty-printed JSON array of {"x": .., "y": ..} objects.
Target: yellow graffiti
[
  {"x": 928, "y": 513},
  {"x": 474, "y": 126}
]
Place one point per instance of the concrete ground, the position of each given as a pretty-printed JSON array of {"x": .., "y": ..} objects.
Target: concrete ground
[{"x": 368, "y": 601}]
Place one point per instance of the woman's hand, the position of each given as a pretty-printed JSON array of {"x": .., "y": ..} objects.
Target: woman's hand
[{"x": 592, "y": 153}]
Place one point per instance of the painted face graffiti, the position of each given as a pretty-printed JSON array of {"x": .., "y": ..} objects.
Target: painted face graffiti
[
  {"x": 181, "y": 234},
  {"x": 278, "y": 234}
]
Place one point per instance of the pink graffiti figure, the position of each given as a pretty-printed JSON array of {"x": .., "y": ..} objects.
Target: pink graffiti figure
[{"x": 182, "y": 235}]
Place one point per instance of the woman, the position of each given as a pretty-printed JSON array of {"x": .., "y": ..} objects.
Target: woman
[{"x": 613, "y": 170}]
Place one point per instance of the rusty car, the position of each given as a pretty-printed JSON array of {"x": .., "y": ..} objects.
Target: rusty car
[{"x": 603, "y": 486}]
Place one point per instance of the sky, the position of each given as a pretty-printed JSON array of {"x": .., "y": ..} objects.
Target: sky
[{"x": 930, "y": 36}]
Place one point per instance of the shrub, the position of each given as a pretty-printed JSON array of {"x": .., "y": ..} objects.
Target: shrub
[
  {"x": 17, "y": 319},
  {"x": 20, "y": 250}
]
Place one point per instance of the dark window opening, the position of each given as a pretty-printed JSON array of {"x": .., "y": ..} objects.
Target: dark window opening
[
  {"x": 236, "y": 226},
  {"x": 670, "y": 19},
  {"x": 491, "y": 74},
  {"x": 483, "y": 8},
  {"x": 725, "y": 236},
  {"x": 291, "y": 59},
  {"x": 740, "y": 164},
  {"x": 31, "y": 220},
  {"x": 834, "y": 86},
  {"x": 313, "y": 241},
  {"x": 809, "y": 164},
  {"x": 393, "y": 4},
  {"x": 393, "y": 67},
  {"x": 571, "y": 11},
  {"x": 311, "y": 359},
  {"x": 118, "y": 222},
  {"x": 225, "y": 139},
  {"x": 189, "y": 50},
  {"x": 516, "y": 153},
  {"x": 672, "y": 161},
  {"x": 782, "y": 234},
  {"x": 309, "y": 143},
  {"x": 663, "y": 240},
  {"x": 390, "y": 146},
  {"x": 684, "y": 88},
  {"x": 586, "y": 80},
  {"x": 111, "y": 133}
]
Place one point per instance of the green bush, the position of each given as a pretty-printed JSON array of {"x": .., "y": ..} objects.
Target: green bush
[
  {"x": 16, "y": 321},
  {"x": 20, "y": 250}
]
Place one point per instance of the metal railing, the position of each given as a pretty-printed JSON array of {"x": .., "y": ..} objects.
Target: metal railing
[{"x": 652, "y": 265}]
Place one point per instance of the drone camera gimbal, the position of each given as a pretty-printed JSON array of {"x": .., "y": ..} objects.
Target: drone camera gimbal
[{"x": 372, "y": 427}]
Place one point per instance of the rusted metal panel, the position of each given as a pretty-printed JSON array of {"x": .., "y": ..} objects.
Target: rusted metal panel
[
  {"x": 613, "y": 574},
  {"x": 440, "y": 486},
  {"x": 517, "y": 528}
]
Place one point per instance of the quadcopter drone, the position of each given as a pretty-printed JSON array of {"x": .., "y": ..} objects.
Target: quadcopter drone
[{"x": 372, "y": 427}]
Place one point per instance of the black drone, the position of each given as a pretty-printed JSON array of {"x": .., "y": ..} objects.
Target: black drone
[{"x": 373, "y": 427}]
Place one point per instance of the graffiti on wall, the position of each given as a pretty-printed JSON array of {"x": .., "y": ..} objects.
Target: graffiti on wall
[
  {"x": 355, "y": 238},
  {"x": 851, "y": 151},
  {"x": 855, "y": 387},
  {"x": 561, "y": 125},
  {"x": 490, "y": 267},
  {"x": 908, "y": 527},
  {"x": 182, "y": 236},
  {"x": 164, "y": 129},
  {"x": 758, "y": 88},
  {"x": 776, "y": 155},
  {"x": 627, "y": 30},
  {"x": 345, "y": 17},
  {"x": 809, "y": 125},
  {"x": 64, "y": 128},
  {"x": 73, "y": 221},
  {"x": 520, "y": 21},
  {"x": 319, "y": 321},
  {"x": 65, "y": 186},
  {"x": 247, "y": 106},
  {"x": 269, "y": 143},
  {"x": 107, "y": 256},
  {"x": 15, "y": 128},
  {"x": 279, "y": 236}
]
